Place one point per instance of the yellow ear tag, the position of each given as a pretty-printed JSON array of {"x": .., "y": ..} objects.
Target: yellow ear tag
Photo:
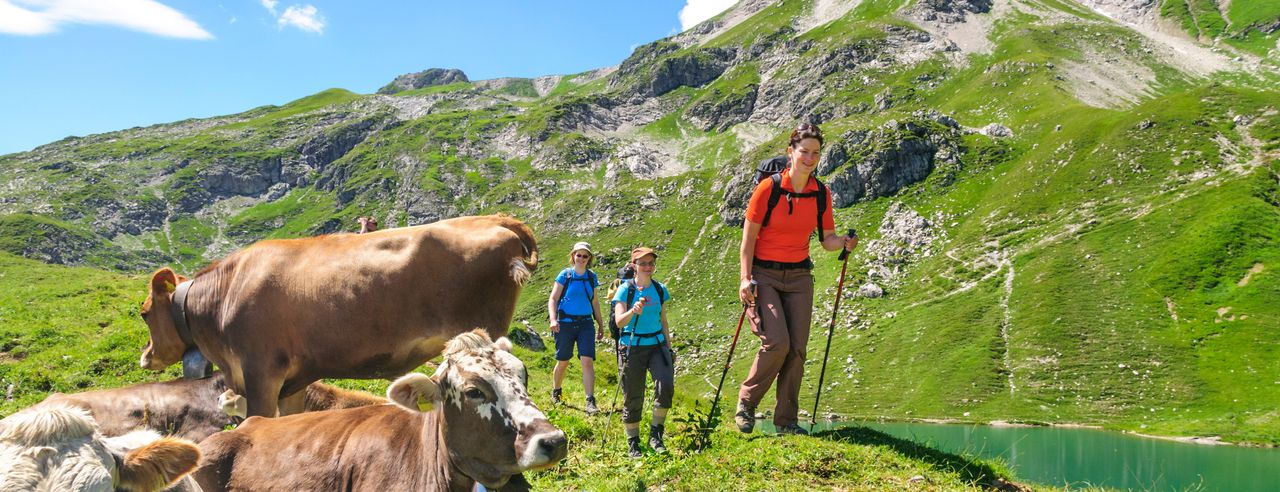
[
  {"x": 424, "y": 405},
  {"x": 168, "y": 286}
]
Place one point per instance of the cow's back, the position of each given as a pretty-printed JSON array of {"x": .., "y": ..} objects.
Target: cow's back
[
  {"x": 360, "y": 306},
  {"x": 376, "y": 447},
  {"x": 182, "y": 408}
]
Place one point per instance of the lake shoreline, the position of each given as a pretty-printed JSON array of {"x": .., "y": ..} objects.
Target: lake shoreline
[{"x": 1201, "y": 440}]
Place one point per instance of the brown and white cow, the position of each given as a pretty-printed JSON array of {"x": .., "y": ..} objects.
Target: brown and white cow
[
  {"x": 281, "y": 314},
  {"x": 60, "y": 448},
  {"x": 190, "y": 409},
  {"x": 471, "y": 422}
]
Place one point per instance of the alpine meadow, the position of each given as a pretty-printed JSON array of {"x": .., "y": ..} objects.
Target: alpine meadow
[{"x": 1069, "y": 214}]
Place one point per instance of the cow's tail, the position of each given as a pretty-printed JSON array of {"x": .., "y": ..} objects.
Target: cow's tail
[{"x": 522, "y": 268}]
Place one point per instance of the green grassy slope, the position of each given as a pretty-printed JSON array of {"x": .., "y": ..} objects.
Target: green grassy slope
[{"x": 76, "y": 329}]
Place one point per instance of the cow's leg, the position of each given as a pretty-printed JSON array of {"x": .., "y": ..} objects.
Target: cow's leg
[
  {"x": 293, "y": 404},
  {"x": 263, "y": 395}
]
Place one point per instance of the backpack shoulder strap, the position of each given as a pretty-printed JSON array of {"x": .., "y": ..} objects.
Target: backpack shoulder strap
[
  {"x": 662, "y": 292},
  {"x": 775, "y": 193},
  {"x": 566, "y": 285},
  {"x": 822, "y": 205}
]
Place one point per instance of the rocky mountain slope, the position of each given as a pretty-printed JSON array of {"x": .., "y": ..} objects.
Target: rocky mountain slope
[{"x": 1069, "y": 209}]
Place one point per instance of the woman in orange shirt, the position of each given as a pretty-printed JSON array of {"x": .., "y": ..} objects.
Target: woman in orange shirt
[{"x": 775, "y": 253}]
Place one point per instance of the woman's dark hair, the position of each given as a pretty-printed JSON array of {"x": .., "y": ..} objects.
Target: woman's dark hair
[{"x": 805, "y": 130}]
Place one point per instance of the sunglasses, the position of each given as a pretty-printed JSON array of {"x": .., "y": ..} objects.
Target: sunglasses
[
  {"x": 580, "y": 255},
  {"x": 646, "y": 263},
  {"x": 809, "y": 127}
]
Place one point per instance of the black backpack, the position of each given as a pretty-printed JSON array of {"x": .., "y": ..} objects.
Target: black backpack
[
  {"x": 627, "y": 275},
  {"x": 771, "y": 169}
]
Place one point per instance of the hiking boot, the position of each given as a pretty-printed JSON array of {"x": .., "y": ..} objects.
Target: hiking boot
[
  {"x": 792, "y": 429},
  {"x": 633, "y": 447},
  {"x": 655, "y": 439},
  {"x": 592, "y": 409},
  {"x": 746, "y": 417},
  {"x": 555, "y": 396}
]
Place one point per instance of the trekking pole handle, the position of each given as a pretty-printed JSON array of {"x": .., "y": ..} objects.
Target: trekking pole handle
[{"x": 844, "y": 253}]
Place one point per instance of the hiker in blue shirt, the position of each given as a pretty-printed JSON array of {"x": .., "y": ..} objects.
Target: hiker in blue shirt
[
  {"x": 639, "y": 308},
  {"x": 573, "y": 308}
]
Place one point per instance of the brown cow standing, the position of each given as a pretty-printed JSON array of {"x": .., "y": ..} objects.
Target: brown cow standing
[
  {"x": 281, "y": 314},
  {"x": 190, "y": 409},
  {"x": 470, "y": 422}
]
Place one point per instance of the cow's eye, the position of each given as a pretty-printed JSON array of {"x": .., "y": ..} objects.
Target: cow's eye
[{"x": 475, "y": 394}]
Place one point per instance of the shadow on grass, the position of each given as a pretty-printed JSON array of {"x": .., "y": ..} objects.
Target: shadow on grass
[{"x": 976, "y": 473}]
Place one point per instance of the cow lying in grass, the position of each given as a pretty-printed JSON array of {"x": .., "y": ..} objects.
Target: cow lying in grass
[
  {"x": 59, "y": 448},
  {"x": 190, "y": 409},
  {"x": 471, "y": 422},
  {"x": 281, "y": 314}
]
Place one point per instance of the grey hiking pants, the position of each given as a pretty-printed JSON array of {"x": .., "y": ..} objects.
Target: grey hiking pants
[
  {"x": 784, "y": 309},
  {"x": 657, "y": 361}
]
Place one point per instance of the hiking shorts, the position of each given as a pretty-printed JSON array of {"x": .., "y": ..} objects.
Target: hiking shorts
[
  {"x": 655, "y": 360},
  {"x": 582, "y": 333}
]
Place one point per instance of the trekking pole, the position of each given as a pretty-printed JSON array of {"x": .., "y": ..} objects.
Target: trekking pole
[
  {"x": 622, "y": 358},
  {"x": 844, "y": 258},
  {"x": 715, "y": 401}
]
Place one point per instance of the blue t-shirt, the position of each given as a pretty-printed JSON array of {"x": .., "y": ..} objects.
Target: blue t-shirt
[
  {"x": 579, "y": 290},
  {"x": 650, "y": 321}
]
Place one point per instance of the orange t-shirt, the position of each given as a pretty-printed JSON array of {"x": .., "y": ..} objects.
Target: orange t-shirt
[{"x": 786, "y": 239}]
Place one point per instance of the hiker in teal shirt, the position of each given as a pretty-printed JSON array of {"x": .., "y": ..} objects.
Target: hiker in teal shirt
[
  {"x": 576, "y": 320},
  {"x": 639, "y": 308}
]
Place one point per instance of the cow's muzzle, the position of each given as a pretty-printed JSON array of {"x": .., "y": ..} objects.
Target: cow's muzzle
[{"x": 545, "y": 450}]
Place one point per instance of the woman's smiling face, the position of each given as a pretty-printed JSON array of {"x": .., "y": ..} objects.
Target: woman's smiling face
[{"x": 806, "y": 154}]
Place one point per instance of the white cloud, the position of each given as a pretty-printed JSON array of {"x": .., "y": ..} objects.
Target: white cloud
[
  {"x": 696, "y": 11},
  {"x": 304, "y": 17},
  {"x": 38, "y": 17},
  {"x": 270, "y": 5}
]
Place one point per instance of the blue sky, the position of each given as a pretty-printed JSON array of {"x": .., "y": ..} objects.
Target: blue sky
[{"x": 78, "y": 67}]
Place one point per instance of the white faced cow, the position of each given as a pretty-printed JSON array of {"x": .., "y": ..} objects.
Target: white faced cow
[
  {"x": 470, "y": 422},
  {"x": 281, "y": 314},
  {"x": 53, "y": 448}
]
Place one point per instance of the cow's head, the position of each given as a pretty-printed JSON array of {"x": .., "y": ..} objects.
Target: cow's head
[
  {"x": 59, "y": 448},
  {"x": 165, "y": 347},
  {"x": 492, "y": 430}
]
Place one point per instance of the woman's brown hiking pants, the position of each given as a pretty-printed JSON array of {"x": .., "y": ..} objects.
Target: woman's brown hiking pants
[{"x": 784, "y": 308}]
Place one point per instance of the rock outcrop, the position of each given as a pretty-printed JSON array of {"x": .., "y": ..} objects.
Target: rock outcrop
[{"x": 426, "y": 78}]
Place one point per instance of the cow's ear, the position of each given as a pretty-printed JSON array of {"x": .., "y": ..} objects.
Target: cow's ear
[
  {"x": 415, "y": 392},
  {"x": 503, "y": 344},
  {"x": 163, "y": 281},
  {"x": 158, "y": 464}
]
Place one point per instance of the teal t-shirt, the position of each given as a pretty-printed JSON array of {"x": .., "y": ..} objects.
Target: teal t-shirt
[
  {"x": 649, "y": 322},
  {"x": 579, "y": 290}
]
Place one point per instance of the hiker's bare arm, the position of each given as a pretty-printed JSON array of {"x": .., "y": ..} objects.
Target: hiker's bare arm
[
  {"x": 599, "y": 317},
  {"x": 833, "y": 242},
  {"x": 750, "y": 231},
  {"x": 666, "y": 332},
  {"x": 622, "y": 315},
  {"x": 556, "y": 290}
]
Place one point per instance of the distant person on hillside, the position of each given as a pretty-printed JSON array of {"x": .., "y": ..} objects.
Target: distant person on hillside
[
  {"x": 775, "y": 253},
  {"x": 576, "y": 316},
  {"x": 640, "y": 310},
  {"x": 367, "y": 224}
]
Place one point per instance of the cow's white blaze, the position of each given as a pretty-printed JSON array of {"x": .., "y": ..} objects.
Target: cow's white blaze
[{"x": 501, "y": 370}]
